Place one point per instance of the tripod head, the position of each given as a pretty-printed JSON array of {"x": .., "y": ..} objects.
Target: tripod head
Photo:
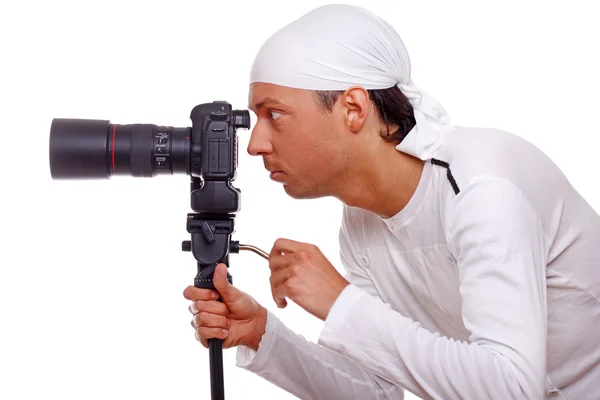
[{"x": 207, "y": 152}]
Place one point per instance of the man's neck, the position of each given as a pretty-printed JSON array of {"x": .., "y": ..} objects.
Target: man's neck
[{"x": 382, "y": 185}]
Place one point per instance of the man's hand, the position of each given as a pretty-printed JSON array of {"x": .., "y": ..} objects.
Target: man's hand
[
  {"x": 238, "y": 319},
  {"x": 300, "y": 272}
]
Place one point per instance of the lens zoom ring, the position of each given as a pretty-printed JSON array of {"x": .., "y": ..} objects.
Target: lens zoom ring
[{"x": 141, "y": 150}]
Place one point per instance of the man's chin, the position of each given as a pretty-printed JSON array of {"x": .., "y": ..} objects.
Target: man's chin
[{"x": 300, "y": 193}]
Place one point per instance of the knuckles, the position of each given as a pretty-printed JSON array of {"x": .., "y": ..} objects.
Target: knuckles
[
  {"x": 278, "y": 242},
  {"x": 196, "y": 306},
  {"x": 202, "y": 319},
  {"x": 295, "y": 271},
  {"x": 188, "y": 293},
  {"x": 291, "y": 288},
  {"x": 193, "y": 293},
  {"x": 301, "y": 257}
]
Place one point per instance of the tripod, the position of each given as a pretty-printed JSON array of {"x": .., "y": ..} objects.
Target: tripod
[{"x": 211, "y": 244}]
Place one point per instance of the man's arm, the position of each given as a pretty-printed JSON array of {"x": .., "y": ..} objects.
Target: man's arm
[
  {"x": 310, "y": 371},
  {"x": 501, "y": 253}
]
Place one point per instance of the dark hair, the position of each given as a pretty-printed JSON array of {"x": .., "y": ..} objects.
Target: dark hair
[{"x": 391, "y": 104}]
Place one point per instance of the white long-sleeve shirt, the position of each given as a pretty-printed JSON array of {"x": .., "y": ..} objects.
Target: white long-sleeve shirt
[{"x": 485, "y": 286}]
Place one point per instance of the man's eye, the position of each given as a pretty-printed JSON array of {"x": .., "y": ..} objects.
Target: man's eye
[{"x": 275, "y": 114}]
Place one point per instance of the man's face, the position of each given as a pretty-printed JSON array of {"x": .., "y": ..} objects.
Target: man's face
[{"x": 303, "y": 147}]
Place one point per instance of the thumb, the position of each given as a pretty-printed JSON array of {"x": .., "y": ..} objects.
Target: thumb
[{"x": 227, "y": 290}]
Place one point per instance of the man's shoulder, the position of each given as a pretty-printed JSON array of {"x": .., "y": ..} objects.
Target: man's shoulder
[
  {"x": 488, "y": 145},
  {"x": 474, "y": 152}
]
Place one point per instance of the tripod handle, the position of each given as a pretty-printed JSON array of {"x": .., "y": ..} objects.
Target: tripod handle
[
  {"x": 204, "y": 277},
  {"x": 215, "y": 345}
]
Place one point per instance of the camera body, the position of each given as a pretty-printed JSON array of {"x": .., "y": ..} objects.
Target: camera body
[
  {"x": 214, "y": 157},
  {"x": 214, "y": 140}
]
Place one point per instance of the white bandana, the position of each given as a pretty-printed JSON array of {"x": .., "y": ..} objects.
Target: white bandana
[{"x": 335, "y": 47}]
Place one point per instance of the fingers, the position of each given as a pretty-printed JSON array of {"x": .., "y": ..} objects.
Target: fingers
[
  {"x": 209, "y": 321},
  {"x": 279, "y": 261},
  {"x": 283, "y": 267},
  {"x": 202, "y": 340},
  {"x": 282, "y": 245},
  {"x": 280, "y": 301},
  {"x": 194, "y": 293},
  {"x": 278, "y": 278},
  {"x": 282, "y": 261},
  {"x": 203, "y": 334},
  {"x": 212, "y": 307},
  {"x": 278, "y": 282},
  {"x": 206, "y": 320}
]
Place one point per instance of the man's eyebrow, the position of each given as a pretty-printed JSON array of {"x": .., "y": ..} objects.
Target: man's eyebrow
[{"x": 266, "y": 101}]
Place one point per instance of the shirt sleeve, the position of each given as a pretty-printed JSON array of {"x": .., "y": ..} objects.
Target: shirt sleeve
[
  {"x": 310, "y": 371},
  {"x": 497, "y": 239}
]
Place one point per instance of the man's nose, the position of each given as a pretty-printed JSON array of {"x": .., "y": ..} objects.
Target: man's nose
[{"x": 259, "y": 143}]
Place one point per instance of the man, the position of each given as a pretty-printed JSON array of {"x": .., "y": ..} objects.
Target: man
[{"x": 472, "y": 265}]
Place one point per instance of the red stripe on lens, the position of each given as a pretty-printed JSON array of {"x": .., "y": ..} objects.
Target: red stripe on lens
[{"x": 113, "y": 149}]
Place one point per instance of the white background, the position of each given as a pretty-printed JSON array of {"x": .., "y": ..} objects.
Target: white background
[{"x": 92, "y": 275}]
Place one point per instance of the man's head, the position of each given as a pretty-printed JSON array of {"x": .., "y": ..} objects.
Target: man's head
[
  {"x": 317, "y": 139},
  {"x": 340, "y": 76}
]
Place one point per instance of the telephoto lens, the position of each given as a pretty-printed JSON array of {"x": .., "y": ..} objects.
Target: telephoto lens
[{"x": 97, "y": 149}]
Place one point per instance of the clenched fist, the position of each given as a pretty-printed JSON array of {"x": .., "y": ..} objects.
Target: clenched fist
[{"x": 237, "y": 319}]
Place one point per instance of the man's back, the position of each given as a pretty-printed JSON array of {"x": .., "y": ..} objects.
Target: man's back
[{"x": 416, "y": 259}]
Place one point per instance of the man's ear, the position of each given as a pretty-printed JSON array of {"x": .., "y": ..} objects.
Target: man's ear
[{"x": 355, "y": 105}]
